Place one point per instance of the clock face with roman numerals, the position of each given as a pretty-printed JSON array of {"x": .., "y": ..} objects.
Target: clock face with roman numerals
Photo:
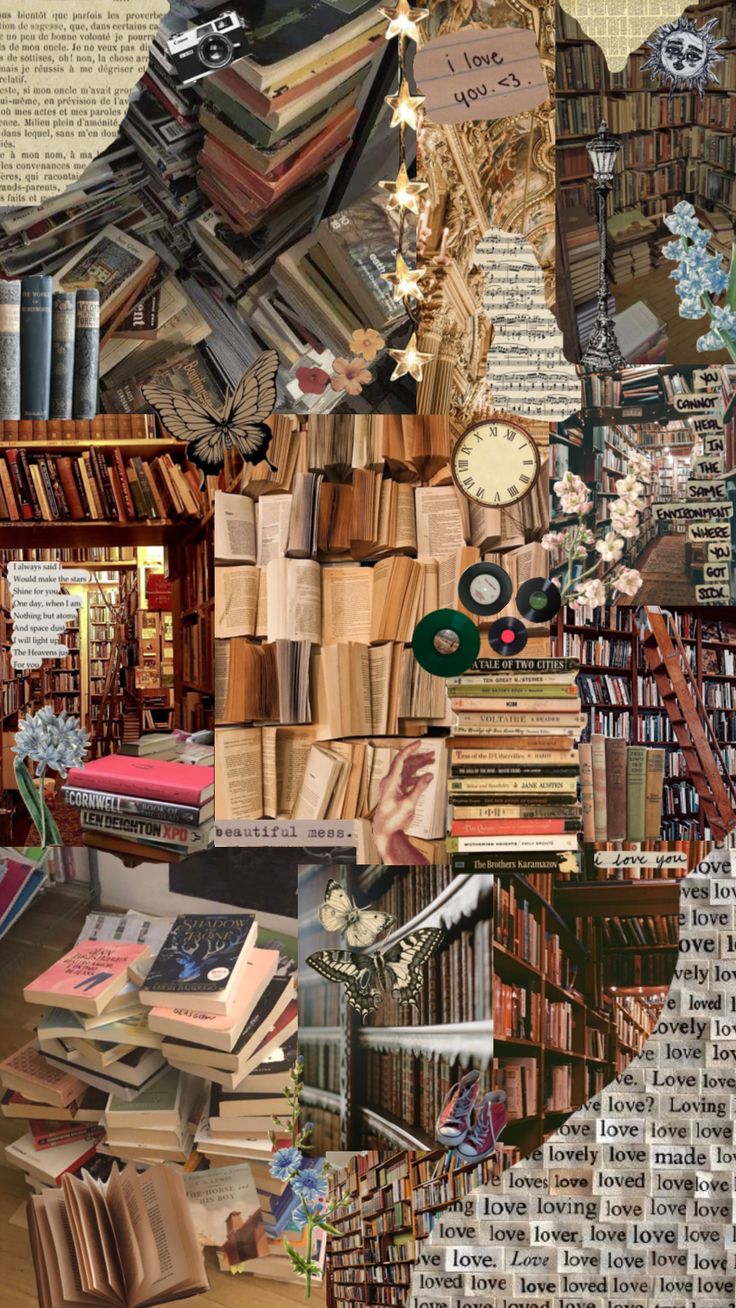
[{"x": 495, "y": 462}]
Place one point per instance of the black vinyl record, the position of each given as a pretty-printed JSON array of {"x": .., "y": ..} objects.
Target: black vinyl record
[
  {"x": 507, "y": 636},
  {"x": 484, "y": 588},
  {"x": 538, "y": 599},
  {"x": 445, "y": 643}
]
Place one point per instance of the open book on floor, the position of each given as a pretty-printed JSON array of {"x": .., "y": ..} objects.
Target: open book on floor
[{"x": 128, "y": 1241}]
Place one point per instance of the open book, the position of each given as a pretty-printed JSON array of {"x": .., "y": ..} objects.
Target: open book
[{"x": 130, "y": 1240}]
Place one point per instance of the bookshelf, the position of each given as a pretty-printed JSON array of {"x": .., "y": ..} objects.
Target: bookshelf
[
  {"x": 612, "y": 666},
  {"x": 390, "y": 1202},
  {"x": 384, "y": 1081},
  {"x": 568, "y": 1017}
]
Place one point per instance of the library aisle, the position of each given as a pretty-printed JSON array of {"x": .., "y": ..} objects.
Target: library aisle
[{"x": 684, "y": 429}]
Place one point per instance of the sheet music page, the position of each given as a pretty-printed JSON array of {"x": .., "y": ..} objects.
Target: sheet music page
[{"x": 527, "y": 369}]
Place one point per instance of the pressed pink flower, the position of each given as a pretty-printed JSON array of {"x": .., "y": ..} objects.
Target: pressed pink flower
[
  {"x": 312, "y": 381},
  {"x": 366, "y": 341},
  {"x": 350, "y": 375}
]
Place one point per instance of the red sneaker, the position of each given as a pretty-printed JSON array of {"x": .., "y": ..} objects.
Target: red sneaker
[
  {"x": 489, "y": 1122},
  {"x": 453, "y": 1123}
]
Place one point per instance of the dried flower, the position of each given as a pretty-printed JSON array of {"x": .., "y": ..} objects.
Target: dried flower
[
  {"x": 350, "y": 375},
  {"x": 366, "y": 341}
]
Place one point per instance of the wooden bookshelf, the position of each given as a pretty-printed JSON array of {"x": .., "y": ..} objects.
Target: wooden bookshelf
[
  {"x": 390, "y": 1202},
  {"x": 549, "y": 952},
  {"x": 643, "y": 719}
]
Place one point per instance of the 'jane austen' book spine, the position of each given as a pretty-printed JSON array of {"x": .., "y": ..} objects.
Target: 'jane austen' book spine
[
  {"x": 62, "y": 353},
  {"x": 35, "y": 346},
  {"x": 86, "y": 354},
  {"x": 10, "y": 350}
]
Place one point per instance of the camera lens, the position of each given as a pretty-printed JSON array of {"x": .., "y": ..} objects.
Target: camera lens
[{"x": 215, "y": 51}]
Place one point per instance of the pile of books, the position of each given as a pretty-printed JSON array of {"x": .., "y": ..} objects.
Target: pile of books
[
  {"x": 629, "y": 234},
  {"x": 39, "y": 327},
  {"x": 513, "y": 781},
  {"x": 157, "y": 1126},
  {"x": 580, "y": 234},
  {"x": 621, "y": 789},
  {"x": 143, "y": 801}
]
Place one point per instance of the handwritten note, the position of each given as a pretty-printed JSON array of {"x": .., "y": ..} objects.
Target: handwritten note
[
  {"x": 41, "y": 611},
  {"x": 479, "y": 73},
  {"x": 527, "y": 369}
]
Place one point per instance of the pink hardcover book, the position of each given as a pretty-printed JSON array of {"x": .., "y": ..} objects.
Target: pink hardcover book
[
  {"x": 15, "y": 877},
  {"x": 218, "y": 1030},
  {"x": 27, "y": 1072},
  {"x": 88, "y": 976},
  {"x": 179, "y": 783}
]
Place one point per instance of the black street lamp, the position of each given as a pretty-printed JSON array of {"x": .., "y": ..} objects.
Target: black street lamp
[{"x": 602, "y": 353}]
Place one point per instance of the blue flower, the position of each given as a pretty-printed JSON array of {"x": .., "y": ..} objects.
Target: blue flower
[
  {"x": 55, "y": 743},
  {"x": 674, "y": 250},
  {"x": 285, "y": 1162},
  {"x": 682, "y": 220},
  {"x": 310, "y": 1184},
  {"x": 724, "y": 320},
  {"x": 298, "y": 1219},
  {"x": 711, "y": 341},
  {"x": 691, "y": 308}
]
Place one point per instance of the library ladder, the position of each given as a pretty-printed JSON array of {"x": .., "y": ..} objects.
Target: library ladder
[{"x": 669, "y": 664}]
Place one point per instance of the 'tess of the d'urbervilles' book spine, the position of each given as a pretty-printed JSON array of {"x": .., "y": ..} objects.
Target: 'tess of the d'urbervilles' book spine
[
  {"x": 10, "y": 350},
  {"x": 86, "y": 353},
  {"x": 35, "y": 346},
  {"x": 62, "y": 354}
]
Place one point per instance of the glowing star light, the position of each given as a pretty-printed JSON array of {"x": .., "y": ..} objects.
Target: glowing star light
[
  {"x": 409, "y": 360},
  {"x": 405, "y": 106},
  {"x": 405, "y": 280},
  {"x": 403, "y": 194},
  {"x": 403, "y": 19}
]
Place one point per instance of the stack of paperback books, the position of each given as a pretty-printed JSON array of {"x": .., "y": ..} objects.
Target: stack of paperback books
[
  {"x": 61, "y": 1115},
  {"x": 140, "y": 802},
  {"x": 514, "y": 766},
  {"x": 158, "y": 1125}
]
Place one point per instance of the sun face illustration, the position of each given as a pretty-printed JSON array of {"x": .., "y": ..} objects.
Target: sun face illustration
[{"x": 683, "y": 54}]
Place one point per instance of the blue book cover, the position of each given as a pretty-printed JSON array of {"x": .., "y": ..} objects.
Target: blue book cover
[
  {"x": 200, "y": 953},
  {"x": 62, "y": 353},
  {"x": 86, "y": 353},
  {"x": 35, "y": 346}
]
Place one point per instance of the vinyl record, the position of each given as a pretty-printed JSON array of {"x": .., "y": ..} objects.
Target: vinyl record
[
  {"x": 445, "y": 643},
  {"x": 538, "y": 599},
  {"x": 484, "y": 588},
  {"x": 507, "y": 636}
]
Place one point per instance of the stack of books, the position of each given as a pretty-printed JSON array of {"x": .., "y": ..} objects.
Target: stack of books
[
  {"x": 513, "y": 781},
  {"x": 62, "y": 1117},
  {"x": 223, "y": 1031},
  {"x": 629, "y": 234},
  {"x": 143, "y": 801},
  {"x": 580, "y": 234},
  {"x": 49, "y": 350},
  {"x": 157, "y": 1126}
]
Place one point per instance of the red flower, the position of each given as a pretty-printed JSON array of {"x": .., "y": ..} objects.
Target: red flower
[{"x": 312, "y": 381}]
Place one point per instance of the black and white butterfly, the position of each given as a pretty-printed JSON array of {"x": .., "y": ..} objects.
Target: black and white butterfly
[
  {"x": 360, "y": 926},
  {"x": 240, "y": 426},
  {"x": 367, "y": 978}
]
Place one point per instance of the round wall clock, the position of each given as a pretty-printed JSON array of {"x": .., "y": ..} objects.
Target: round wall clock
[{"x": 495, "y": 462}]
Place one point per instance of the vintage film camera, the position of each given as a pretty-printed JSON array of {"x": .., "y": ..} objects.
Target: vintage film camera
[{"x": 208, "y": 48}]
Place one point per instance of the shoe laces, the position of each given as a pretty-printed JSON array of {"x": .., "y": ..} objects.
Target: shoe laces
[{"x": 461, "y": 1106}]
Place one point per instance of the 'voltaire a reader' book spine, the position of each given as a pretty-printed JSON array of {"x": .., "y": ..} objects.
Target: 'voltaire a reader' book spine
[
  {"x": 62, "y": 354},
  {"x": 10, "y": 350},
  {"x": 86, "y": 353},
  {"x": 35, "y": 346}
]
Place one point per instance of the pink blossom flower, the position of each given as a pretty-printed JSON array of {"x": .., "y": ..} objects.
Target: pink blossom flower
[
  {"x": 366, "y": 341},
  {"x": 350, "y": 375},
  {"x": 610, "y": 548},
  {"x": 628, "y": 581},
  {"x": 552, "y": 539},
  {"x": 573, "y": 494},
  {"x": 589, "y": 595}
]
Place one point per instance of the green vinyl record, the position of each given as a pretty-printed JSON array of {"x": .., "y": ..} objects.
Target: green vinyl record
[{"x": 445, "y": 643}]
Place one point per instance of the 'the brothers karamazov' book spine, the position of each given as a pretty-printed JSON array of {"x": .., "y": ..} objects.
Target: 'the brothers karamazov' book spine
[
  {"x": 10, "y": 350},
  {"x": 62, "y": 354},
  {"x": 35, "y": 346},
  {"x": 86, "y": 353}
]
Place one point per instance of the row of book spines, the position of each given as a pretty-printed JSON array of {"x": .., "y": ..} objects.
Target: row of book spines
[
  {"x": 105, "y": 426},
  {"x": 53, "y": 488}
]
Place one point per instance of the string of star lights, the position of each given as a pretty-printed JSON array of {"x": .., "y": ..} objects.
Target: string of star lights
[{"x": 404, "y": 194}]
